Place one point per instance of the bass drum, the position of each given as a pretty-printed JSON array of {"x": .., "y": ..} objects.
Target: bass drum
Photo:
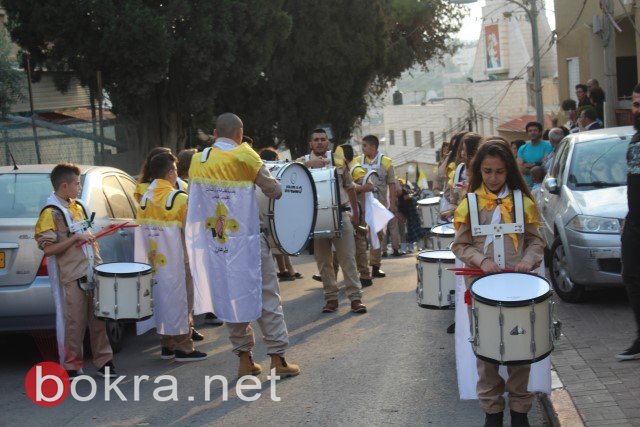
[
  {"x": 290, "y": 219},
  {"x": 329, "y": 215}
]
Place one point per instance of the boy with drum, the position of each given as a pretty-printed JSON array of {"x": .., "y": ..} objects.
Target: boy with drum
[
  {"x": 62, "y": 232},
  {"x": 160, "y": 242},
  {"x": 495, "y": 187},
  {"x": 344, "y": 245}
]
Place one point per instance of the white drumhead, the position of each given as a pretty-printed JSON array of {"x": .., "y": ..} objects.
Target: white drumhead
[
  {"x": 444, "y": 230},
  {"x": 294, "y": 211},
  {"x": 510, "y": 287},
  {"x": 430, "y": 255},
  {"x": 429, "y": 201},
  {"x": 121, "y": 268}
]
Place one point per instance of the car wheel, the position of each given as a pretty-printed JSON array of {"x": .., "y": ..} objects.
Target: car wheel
[
  {"x": 115, "y": 333},
  {"x": 564, "y": 286}
]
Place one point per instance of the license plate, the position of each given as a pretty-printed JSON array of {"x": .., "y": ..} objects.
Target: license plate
[{"x": 1, "y": 259}]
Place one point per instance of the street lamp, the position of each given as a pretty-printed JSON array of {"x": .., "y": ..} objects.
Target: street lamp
[
  {"x": 532, "y": 13},
  {"x": 473, "y": 116}
]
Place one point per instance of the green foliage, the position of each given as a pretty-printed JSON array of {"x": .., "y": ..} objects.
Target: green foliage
[
  {"x": 283, "y": 65},
  {"x": 11, "y": 80}
]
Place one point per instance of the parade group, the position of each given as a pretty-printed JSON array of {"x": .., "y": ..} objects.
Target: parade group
[{"x": 201, "y": 230}]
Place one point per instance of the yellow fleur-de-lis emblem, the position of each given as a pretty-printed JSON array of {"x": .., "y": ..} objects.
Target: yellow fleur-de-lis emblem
[
  {"x": 220, "y": 225},
  {"x": 156, "y": 259}
]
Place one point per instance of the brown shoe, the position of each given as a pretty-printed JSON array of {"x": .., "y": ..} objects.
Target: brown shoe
[
  {"x": 358, "y": 307},
  {"x": 247, "y": 365},
  {"x": 283, "y": 369},
  {"x": 330, "y": 307}
]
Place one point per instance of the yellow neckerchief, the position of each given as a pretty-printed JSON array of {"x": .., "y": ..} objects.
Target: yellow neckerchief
[{"x": 488, "y": 200}]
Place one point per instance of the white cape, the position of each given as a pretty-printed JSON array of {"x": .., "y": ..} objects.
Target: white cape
[{"x": 539, "y": 378}]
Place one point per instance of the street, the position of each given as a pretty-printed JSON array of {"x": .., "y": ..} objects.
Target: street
[{"x": 394, "y": 365}]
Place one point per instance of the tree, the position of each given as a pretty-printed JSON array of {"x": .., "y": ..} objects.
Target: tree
[
  {"x": 162, "y": 63},
  {"x": 340, "y": 52},
  {"x": 11, "y": 86}
]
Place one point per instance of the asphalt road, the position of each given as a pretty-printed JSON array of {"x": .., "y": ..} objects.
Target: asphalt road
[{"x": 394, "y": 365}]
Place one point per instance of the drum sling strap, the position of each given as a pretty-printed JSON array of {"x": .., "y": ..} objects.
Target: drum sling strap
[
  {"x": 457, "y": 177},
  {"x": 169, "y": 203},
  {"x": 74, "y": 228},
  {"x": 498, "y": 231}
]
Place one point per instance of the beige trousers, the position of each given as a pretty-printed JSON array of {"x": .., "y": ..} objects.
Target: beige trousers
[
  {"x": 271, "y": 322},
  {"x": 362, "y": 253},
  {"x": 491, "y": 387},
  {"x": 346, "y": 255},
  {"x": 78, "y": 315}
]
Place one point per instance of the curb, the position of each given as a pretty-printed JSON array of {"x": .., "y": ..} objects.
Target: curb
[{"x": 558, "y": 407}]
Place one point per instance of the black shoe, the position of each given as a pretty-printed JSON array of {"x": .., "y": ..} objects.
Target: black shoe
[
  {"x": 195, "y": 335},
  {"x": 518, "y": 419},
  {"x": 376, "y": 272},
  {"x": 398, "y": 253},
  {"x": 317, "y": 277},
  {"x": 493, "y": 420},
  {"x": 452, "y": 328},
  {"x": 112, "y": 370},
  {"x": 385, "y": 254},
  {"x": 366, "y": 282},
  {"x": 72, "y": 373},
  {"x": 631, "y": 353},
  {"x": 194, "y": 356},
  {"x": 167, "y": 354},
  {"x": 212, "y": 319},
  {"x": 286, "y": 277}
]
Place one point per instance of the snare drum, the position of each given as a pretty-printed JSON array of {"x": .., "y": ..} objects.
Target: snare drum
[
  {"x": 328, "y": 215},
  {"x": 429, "y": 209},
  {"x": 123, "y": 291},
  {"x": 436, "y": 284},
  {"x": 444, "y": 235},
  {"x": 291, "y": 218},
  {"x": 511, "y": 318}
]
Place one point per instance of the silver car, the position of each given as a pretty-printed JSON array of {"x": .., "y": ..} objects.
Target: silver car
[
  {"x": 26, "y": 303},
  {"x": 583, "y": 201}
]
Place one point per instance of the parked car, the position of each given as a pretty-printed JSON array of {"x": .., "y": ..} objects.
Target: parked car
[
  {"x": 26, "y": 302},
  {"x": 583, "y": 202}
]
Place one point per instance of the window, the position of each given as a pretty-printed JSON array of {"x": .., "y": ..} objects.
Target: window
[
  {"x": 417, "y": 138},
  {"x": 404, "y": 138},
  {"x": 23, "y": 195},
  {"x": 392, "y": 138},
  {"x": 560, "y": 157},
  {"x": 117, "y": 202},
  {"x": 597, "y": 164},
  {"x": 432, "y": 140},
  {"x": 129, "y": 187}
]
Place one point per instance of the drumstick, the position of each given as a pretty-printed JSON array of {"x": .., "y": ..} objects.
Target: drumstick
[{"x": 109, "y": 230}]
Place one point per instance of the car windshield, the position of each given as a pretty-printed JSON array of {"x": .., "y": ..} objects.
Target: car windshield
[
  {"x": 23, "y": 195},
  {"x": 598, "y": 164}
]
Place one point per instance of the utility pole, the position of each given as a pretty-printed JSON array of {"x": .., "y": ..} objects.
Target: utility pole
[
  {"x": 537, "y": 73},
  {"x": 610, "y": 78},
  {"x": 33, "y": 114}
]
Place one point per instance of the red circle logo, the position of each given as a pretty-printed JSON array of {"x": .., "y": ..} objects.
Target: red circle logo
[{"x": 47, "y": 384}]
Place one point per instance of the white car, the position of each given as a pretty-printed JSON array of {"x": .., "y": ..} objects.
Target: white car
[
  {"x": 26, "y": 303},
  {"x": 583, "y": 201}
]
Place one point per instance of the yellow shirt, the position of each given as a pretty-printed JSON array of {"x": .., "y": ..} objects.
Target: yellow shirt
[
  {"x": 239, "y": 165},
  {"x": 156, "y": 212}
]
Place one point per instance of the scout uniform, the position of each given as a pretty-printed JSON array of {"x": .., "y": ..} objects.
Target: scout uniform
[
  {"x": 472, "y": 250},
  {"x": 386, "y": 176},
  {"x": 233, "y": 271},
  {"x": 159, "y": 242},
  {"x": 362, "y": 254},
  {"x": 74, "y": 307},
  {"x": 344, "y": 245}
]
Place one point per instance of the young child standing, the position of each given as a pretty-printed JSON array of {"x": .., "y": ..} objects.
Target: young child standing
[
  {"x": 495, "y": 179},
  {"x": 159, "y": 241},
  {"x": 63, "y": 223}
]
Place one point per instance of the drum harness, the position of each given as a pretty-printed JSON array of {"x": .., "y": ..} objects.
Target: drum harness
[
  {"x": 86, "y": 283},
  {"x": 495, "y": 233}
]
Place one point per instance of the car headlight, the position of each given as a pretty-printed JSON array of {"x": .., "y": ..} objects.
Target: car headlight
[{"x": 594, "y": 224}]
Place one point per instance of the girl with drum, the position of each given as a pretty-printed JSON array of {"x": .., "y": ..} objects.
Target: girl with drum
[{"x": 498, "y": 194}]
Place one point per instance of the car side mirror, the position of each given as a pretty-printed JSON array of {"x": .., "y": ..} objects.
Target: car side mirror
[{"x": 551, "y": 185}]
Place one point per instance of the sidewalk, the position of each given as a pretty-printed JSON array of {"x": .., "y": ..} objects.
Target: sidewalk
[{"x": 594, "y": 388}]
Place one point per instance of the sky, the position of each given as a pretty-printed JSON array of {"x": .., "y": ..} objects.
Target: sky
[{"x": 472, "y": 24}]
